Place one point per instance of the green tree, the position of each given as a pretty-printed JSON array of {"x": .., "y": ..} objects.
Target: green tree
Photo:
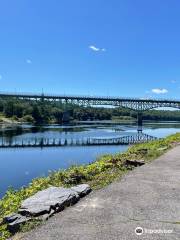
[{"x": 36, "y": 114}]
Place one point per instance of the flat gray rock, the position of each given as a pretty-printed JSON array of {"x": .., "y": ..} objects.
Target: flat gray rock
[
  {"x": 52, "y": 199},
  {"x": 14, "y": 220},
  {"x": 43, "y": 202}
]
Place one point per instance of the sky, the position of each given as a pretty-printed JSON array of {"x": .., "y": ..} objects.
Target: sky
[{"x": 128, "y": 48}]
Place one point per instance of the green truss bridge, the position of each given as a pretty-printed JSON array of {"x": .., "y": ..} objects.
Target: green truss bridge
[{"x": 138, "y": 104}]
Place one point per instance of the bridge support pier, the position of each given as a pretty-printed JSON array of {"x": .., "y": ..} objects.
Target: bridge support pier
[
  {"x": 66, "y": 117},
  {"x": 139, "y": 121}
]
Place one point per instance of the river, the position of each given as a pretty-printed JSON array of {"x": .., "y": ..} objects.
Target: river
[{"x": 20, "y": 165}]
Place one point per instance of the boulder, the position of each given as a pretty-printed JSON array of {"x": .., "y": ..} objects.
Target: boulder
[
  {"x": 11, "y": 218},
  {"x": 52, "y": 198},
  {"x": 134, "y": 163},
  {"x": 44, "y": 204},
  {"x": 14, "y": 220}
]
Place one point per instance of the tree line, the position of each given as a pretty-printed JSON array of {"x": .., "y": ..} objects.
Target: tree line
[{"x": 52, "y": 111}]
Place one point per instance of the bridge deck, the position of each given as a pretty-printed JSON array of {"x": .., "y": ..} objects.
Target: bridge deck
[{"x": 83, "y": 97}]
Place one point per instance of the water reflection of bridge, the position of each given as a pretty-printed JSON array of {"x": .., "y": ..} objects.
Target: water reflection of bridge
[{"x": 44, "y": 142}]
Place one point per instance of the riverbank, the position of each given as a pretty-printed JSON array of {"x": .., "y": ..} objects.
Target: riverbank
[
  {"x": 98, "y": 174},
  {"x": 5, "y": 120}
]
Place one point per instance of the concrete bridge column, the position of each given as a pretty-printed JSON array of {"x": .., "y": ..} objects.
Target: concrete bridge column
[
  {"x": 66, "y": 113},
  {"x": 66, "y": 117},
  {"x": 139, "y": 121}
]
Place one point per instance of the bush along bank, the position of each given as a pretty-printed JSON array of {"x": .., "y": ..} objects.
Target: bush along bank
[{"x": 97, "y": 174}]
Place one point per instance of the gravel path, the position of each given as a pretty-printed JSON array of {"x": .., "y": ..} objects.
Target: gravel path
[{"x": 147, "y": 197}]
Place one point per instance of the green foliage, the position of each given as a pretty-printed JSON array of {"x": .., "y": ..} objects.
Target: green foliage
[
  {"x": 98, "y": 174},
  {"x": 37, "y": 114},
  {"x": 4, "y": 233},
  {"x": 27, "y": 118},
  {"x": 49, "y": 111}
]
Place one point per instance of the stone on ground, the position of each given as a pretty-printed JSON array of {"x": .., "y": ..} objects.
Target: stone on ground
[
  {"x": 45, "y": 203},
  {"x": 51, "y": 198}
]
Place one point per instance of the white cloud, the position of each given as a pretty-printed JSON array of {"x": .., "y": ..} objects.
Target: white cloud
[
  {"x": 28, "y": 61},
  {"x": 96, "y": 49},
  {"x": 159, "y": 90}
]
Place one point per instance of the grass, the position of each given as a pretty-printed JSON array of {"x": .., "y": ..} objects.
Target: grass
[{"x": 98, "y": 174}]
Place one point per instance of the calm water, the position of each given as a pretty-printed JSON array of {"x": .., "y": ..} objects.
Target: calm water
[{"x": 19, "y": 166}]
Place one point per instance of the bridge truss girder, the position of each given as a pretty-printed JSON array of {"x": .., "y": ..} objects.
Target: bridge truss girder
[{"x": 135, "y": 104}]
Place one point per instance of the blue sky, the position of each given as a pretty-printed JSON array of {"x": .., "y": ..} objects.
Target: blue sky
[{"x": 95, "y": 47}]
